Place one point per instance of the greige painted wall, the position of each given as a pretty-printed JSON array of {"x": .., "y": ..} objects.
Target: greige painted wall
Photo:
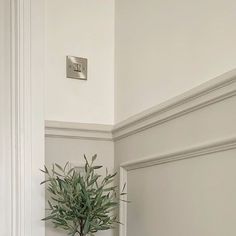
[
  {"x": 187, "y": 197},
  {"x": 164, "y": 48},
  {"x": 61, "y": 150},
  {"x": 211, "y": 123}
]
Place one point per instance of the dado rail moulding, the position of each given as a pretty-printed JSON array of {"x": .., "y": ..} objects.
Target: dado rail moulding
[{"x": 211, "y": 92}]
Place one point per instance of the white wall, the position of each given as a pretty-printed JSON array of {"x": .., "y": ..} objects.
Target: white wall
[
  {"x": 83, "y": 28},
  {"x": 164, "y": 48}
]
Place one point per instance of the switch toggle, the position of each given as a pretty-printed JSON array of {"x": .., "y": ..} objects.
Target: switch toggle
[{"x": 76, "y": 67}]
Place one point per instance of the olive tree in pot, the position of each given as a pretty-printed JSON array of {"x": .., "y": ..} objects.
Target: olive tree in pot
[{"x": 81, "y": 202}]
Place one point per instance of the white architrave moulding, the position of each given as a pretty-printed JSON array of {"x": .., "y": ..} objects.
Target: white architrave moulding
[{"x": 27, "y": 121}]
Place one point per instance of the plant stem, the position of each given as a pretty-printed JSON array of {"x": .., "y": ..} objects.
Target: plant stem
[{"x": 81, "y": 228}]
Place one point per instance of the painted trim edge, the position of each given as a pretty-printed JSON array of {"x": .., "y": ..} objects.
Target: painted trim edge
[
  {"x": 158, "y": 159},
  {"x": 210, "y": 92},
  {"x": 191, "y": 152},
  {"x": 59, "y": 129}
]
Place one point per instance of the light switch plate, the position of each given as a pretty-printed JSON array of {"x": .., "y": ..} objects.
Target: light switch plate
[{"x": 76, "y": 67}]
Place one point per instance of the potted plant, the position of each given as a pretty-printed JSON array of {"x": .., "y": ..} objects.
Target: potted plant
[{"x": 81, "y": 202}]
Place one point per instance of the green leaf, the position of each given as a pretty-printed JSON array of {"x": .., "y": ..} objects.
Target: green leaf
[
  {"x": 97, "y": 167},
  {"x": 69, "y": 172},
  {"x": 50, "y": 204},
  {"x": 94, "y": 157},
  {"x": 59, "y": 167},
  {"x": 123, "y": 188},
  {"x": 45, "y": 181},
  {"x": 43, "y": 171},
  {"x": 64, "y": 169},
  {"x": 86, "y": 226},
  {"x": 49, "y": 217},
  {"x": 46, "y": 170}
]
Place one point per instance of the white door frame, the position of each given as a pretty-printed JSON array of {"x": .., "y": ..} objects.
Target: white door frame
[{"x": 23, "y": 129}]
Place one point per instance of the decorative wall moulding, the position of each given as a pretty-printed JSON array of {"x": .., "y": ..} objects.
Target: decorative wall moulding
[
  {"x": 61, "y": 129},
  {"x": 209, "y": 93},
  {"x": 158, "y": 159},
  {"x": 191, "y": 152},
  {"x": 26, "y": 117}
]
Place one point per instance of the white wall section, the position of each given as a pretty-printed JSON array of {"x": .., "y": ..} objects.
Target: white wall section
[
  {"x": 85, "y": 29},
  {"x": 164, "y": 48}
]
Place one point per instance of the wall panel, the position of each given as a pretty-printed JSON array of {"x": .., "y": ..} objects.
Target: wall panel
[
  {"x": 188, "y": 197},
  {"x": 180, "y": 166}
]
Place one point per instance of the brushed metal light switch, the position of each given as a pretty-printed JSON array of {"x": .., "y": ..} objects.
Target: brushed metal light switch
[{"x": 76, "y": 67}]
